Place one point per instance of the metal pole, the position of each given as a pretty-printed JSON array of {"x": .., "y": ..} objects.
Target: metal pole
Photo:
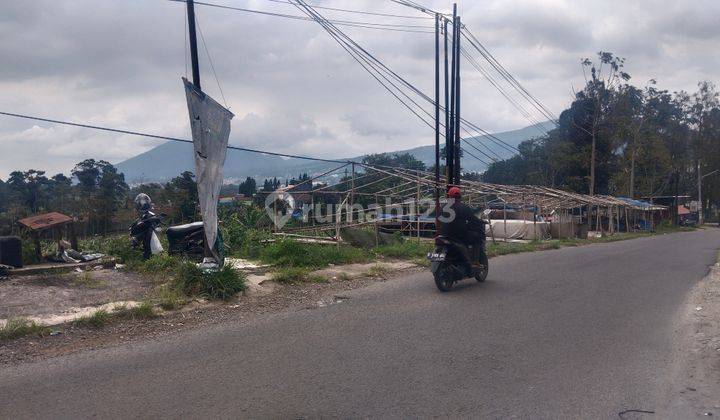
[
  {"x": 447, "y": 103},
  {"x": 457, "y": 148},
  {"x": 193, "y": 43},
  {"x": 450, "y": 141},
  {"x": 700, "y": 202},
  {"x": 437, "y": 123}
]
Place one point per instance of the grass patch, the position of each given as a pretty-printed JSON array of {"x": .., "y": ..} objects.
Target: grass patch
[
  {"x": 144, "y": 310},
  {"x": 344, "y": 276},
  {"x": 288, "y": 253},
  {"x": 170, "y": 298},
  {"x": 222, "y": 284},
  {"x": 407, "y": 249},
  {"x": 293, "y": 275},
  {"x": 97, "y": 320},
  {"x": 377, "y": 270},
  {"x": 159, "y": 264},
  {"x": 87, "y": 279},
  {"x": 20, "y": 327}
]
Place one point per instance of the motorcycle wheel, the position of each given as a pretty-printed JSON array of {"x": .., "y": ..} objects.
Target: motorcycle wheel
[
  {"x": 482, "y": 274},
  {"x": 443, "y": 279}
]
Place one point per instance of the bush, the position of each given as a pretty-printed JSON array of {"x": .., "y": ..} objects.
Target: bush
[
  {"x": 118, "y": 246},
  {"x": 19, "y": 327},
  {"x": 221, "y": 284},
  {"x": 160, "y": 264},
  {"x": 288, "y": 253}
]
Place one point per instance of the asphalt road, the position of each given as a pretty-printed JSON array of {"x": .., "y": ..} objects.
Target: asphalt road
[{"x": 574, "y": 333}]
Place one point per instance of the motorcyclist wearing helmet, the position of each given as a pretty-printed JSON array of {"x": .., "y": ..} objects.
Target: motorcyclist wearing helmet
[{"x": 464, "y": 226}]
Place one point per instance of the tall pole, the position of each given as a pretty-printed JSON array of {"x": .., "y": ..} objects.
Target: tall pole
[
  {"x": 450, "y": 151},
  {"x": 457, "y": 147},
  {"x": 701, "y": 214},
  {"x": 700, "y": 202},
  {"x": 437, "y": 125},
  {"x": 446, "y": 89},
  {"x": 193, "y": 43}
]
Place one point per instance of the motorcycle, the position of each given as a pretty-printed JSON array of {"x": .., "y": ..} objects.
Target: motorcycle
[
  {"x": 143, "y": 231},
  {"x": 452, "y": 261},
  {"x": 187, "y": 240}
]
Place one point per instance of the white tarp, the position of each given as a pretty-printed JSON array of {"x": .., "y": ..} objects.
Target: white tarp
[
  {"x": 210, "y": 124},
  {"x": 519, "y": 229}
]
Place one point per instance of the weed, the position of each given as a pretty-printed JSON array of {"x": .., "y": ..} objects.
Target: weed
[
  {"x": 170, "y": 298},
  {"x": 87, "y": 279},
  {"x": 160, "y": 264},
  {"x": 96, "y": 320},
  {"x": 344, "y": 276},
  {"x": 20, "y": 327},
  {"x": 288, "y": 253},
  {"x": 143, "y": 311},
  {"x": 404, "y": 249},
  {"x": 221, "y": 284},
  {"x": 290, "y": 275},
  {"x": 377, "y": 270}
]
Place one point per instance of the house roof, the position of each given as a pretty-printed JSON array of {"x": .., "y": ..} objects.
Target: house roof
[{"x": 45, "y": 221}]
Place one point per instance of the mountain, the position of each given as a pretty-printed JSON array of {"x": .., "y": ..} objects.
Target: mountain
[{"x": 170, "y": 159}]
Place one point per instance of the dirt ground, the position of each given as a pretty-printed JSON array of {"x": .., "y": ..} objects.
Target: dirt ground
[
  {"x": 57, "y": 293},
  {"x": 73, "y": 338},
  {"x": 699, "y": 353}
]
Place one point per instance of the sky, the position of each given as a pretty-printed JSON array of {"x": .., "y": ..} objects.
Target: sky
[{"x": 292, "y": 88}]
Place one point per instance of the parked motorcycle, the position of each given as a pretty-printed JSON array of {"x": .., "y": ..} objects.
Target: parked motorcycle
[
  {"x": 144, "y": 228},
  {"x": 451, "y": 261},
  {"x": 187, "y": 240}
]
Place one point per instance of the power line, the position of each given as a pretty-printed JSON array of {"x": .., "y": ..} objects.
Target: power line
[
  {"x": 155, "y": 136},
  {"x": 356, "y": 24},
  {"x": 356, "y": 11},
  {"x": 487, "y": 55}
]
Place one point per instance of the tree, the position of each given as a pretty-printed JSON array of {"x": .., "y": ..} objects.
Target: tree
[
  {"x": 598, "y": 97},
  {"x": 112, "y": 192},
  {"x": 182, "y": 192},
  {"x": 248, "y": 188},
  {"x": 60, "y": 192},
  {"x": 29, "y": 189},
  {"x": 103, "y": 191}
]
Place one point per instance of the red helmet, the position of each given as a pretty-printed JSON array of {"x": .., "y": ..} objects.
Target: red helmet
[{"x": 454, "y": 192}]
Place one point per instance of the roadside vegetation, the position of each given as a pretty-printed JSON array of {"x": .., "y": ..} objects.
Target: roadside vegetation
[
  {"x": 20, "y": 327},
  {"x": 101, "y": 318}
]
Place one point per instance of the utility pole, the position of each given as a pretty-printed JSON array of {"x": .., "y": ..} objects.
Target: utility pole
[
  {"x": 437, "y": 124},
  {"x": 458, "y": 146},
  {"x": 193, "y": 44},
  {"x": 450, "y": 140},
  {"x": 677, "y": 188},
  {"x": 701, "y": 213},
  {"x": 447, "y": 104}
]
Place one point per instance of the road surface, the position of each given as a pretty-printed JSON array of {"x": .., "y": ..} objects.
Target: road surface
[{"x": 574, "y": 333}]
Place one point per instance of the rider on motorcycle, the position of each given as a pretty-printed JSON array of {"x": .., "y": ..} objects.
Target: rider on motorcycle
[{"x": 464, "y": 226}]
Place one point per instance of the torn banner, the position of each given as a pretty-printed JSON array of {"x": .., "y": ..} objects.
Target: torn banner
[{"x": 210, "y": 124}]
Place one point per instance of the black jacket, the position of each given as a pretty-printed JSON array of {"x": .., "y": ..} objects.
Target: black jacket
[{"x": 464, "y": 221}]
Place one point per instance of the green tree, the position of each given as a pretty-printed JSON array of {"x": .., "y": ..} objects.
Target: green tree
[
  {"x": 248, "y": 188},
  {"x": 182, "y": 192}
]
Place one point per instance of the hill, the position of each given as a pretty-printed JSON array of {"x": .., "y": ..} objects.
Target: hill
[{"x": 170, "y": 159}]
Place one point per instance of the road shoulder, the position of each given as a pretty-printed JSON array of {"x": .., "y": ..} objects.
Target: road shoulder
[{"x": 693, "y": 390}]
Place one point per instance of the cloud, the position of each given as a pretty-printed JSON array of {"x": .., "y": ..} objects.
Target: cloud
[{"x": 292, "y": 87}]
